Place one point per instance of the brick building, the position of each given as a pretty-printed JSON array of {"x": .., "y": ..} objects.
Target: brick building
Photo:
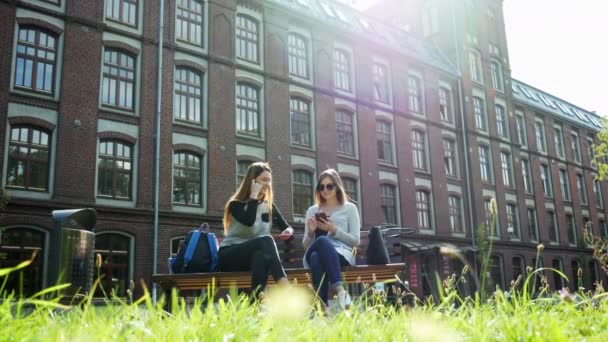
[{"x": 415, "y": 109}]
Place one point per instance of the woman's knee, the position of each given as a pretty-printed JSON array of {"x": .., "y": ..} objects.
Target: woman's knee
[
  {"x": 267, "y": 243},
  {"x": 323, "y": 242},
  {"x": 314, "y": 259}
]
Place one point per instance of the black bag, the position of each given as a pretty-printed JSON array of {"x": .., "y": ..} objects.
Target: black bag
[
  {"x": 377, "y": 254},
  {"x": 204, "y": 257}
]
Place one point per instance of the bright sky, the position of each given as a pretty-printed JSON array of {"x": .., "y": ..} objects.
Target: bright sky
[{"x": 559, "y": 46}]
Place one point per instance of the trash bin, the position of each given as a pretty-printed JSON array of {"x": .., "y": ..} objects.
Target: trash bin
[{"x": 71, "y": 254}]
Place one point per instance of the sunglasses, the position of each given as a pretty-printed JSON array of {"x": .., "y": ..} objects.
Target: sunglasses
[{"x": 329, "y": 187}]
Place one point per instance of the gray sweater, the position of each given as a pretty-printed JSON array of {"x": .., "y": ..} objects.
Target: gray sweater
[
  {"x": 249, "y": 220},
  {"x": 348, "y": 230}
]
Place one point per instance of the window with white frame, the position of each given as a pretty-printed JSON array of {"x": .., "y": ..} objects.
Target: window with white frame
[
  {"x": 380, "y": 83},
  {"x": 384, "y": 139},
  {"x": 187, "y": 178},
  {"x": 350, "y": 187},
  {"x": 582, "y": 190},
  {"x": 114, "y": 169},
  {"x": 565, "y": 185},
  {"x": 522, "y": 138},
  {"x": 513, "y": 221},
  {"x": 603, "y": 229},
  {"x": 493, "y": 29},
  {"x": 123, "y": 11},
  {"x": 527, "y": 175},
  {"x": 423, "y": 209},
  {"x": 116, "y": 251},
  {"x": 36, "y": 60},
  {"x": 591, "y": 153},
  {"x": 415, "y": 94},
  {"x": 342, "y": 70},
  {"x": 576, "y": 148},
  {"x": 189, "y": 21},
  {"x": 241, "y": 170},
  {"x": 505, "y": 164},
  {"x": 419, "y": 149},
  {"x": 445, "y": 105},
  {"x": 491, "y": 223},
  {"x": 502, "y": 123},
  {"x": 247, "y": 109},
  {"x": 455, "y": 214},
  {"x": 345, "y": 132},
  {"x": 532, "y": 225},
  {"x": 558, "y": 281},
  {"x": 485, "y": 164},
  {"x": 539, "y": 130},
  {"x": 475, "y": 66},
  {"x": 480, "y": 113},
  {"x": 552, "y": 226},
  {"x": 188, "y": 96},
  {"x": 496, "y": 72},
  {"x": 545, "y": 176},
  {"x": 559, "y": 141},
  {"x": 302, "y": 188},
  {"x": 247, "y": 38},
  {"x": 300, "y": 121},
  {"x": 118, "y": 85},
  {"x": 298, "y": 55},
  {"x": 572, "y": 234},
  {"x": 28, "y": 158},
  {"x": 450, "y": 160},
  {"x": 597, "y": 189},
  {"x": 388, "y": 203}
]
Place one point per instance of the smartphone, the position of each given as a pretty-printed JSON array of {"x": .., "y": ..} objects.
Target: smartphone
[{"x": 321, "y": 217}]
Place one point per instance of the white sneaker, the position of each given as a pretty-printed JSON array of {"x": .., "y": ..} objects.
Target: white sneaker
[{"x": 343, "y": 300}]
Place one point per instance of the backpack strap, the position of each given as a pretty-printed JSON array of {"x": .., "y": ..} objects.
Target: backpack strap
[
  {"x": 212, "y": 250},
  {"x": 191, "y": 247}
]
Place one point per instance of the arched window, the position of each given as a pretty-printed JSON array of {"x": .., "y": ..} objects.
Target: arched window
[
  {"x": 298, "y": 55},
  {"x": 118, "y": 85},
  {"x": 423, "y": 208},
  {"x": 419, "y": 149},
  {"x": 302, "y": 191},
  {"x": 247, "y": 109},
  {"x": 188, "y": 97},
  {"x": 187, "y": 178},
  {"x": 350, "y": 187},
  {"x": 115, "y": 251},
  {"x": 300, "y": 121},
  {"x": 114, "y": 169},
  {"x": 36, "y": 60},
  {"x": 28, "y": 158},
  {"x": 388, "y": 203},
  {"x": 18, "y": 245},
  {"x": 247, "y": 37},
  {"x": 241, "y": 170},
  {"x": 189, "y": 23},
  {"x": 345, "y": 132}
]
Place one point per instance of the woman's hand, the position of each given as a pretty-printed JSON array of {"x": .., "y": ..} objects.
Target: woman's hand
[
  {"x": 255, "y": 189},
  {"x": 312, "y": 226},
  {"x": 327, "y": 225},
  {"x": 286, "y": 234}
]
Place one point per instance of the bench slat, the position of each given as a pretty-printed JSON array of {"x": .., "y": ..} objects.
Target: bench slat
[{"x": 199, "y": 281}]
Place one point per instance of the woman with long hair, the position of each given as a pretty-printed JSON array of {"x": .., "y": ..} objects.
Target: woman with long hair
[
  {"x": 332, "y": 232},
  {"x": 248, "y": 245}
]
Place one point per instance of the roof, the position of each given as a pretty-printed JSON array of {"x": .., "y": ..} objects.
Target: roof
[
  {"x": 548, "y": 103},
  {"x": 350, "y": 20}
]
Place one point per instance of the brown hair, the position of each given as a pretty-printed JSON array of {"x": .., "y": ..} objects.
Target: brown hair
[
  {"x": 244, "y": 190},
  {"x": 335, "y": 178}
]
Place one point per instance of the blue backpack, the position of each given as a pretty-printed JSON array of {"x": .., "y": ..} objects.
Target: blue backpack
[{"x": 198, "y": 253}]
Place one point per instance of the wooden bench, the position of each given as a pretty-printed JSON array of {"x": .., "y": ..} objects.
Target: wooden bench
[{"x": 291, "y": 253}]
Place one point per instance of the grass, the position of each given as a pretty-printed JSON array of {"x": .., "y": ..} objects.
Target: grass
[
  {"x": 526, "y": 312},
  {"x": 288, "y": 315}
]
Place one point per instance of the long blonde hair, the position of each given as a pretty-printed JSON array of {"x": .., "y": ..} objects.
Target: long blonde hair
[
  {"x": 335, "y": 178},
  {"x": 244, "y": 190}
]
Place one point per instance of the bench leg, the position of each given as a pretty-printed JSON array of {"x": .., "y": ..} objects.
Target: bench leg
[{"x": 168, "y": 300}]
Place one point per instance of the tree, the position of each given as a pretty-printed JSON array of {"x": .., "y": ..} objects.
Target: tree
[{"x": 601, "y": 151}]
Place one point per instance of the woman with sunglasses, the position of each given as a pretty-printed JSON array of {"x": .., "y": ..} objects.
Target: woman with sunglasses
[
  {"x": 331, "y": 233},
  {"x": 248, "y": 245}
]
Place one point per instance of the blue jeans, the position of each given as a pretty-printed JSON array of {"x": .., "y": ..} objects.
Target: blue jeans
[{"x": 325, "y": 265}]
